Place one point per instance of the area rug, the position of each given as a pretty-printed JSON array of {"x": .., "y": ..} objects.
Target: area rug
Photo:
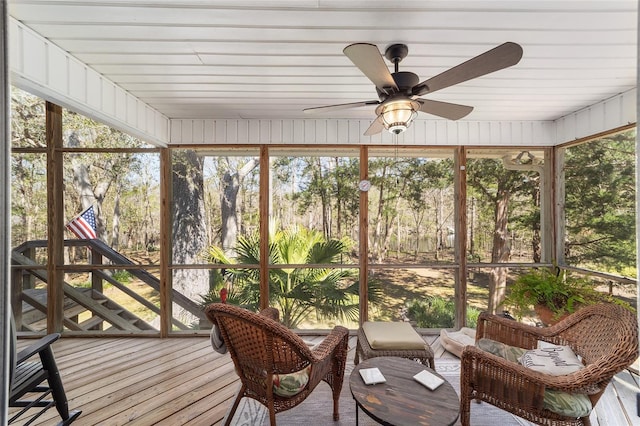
[{"x": 317, "y": 409}]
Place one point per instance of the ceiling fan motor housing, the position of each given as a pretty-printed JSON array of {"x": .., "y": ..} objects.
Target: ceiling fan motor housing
[
  {"x": 399, "y": 92},
  {"x": 405, "y": 81}
]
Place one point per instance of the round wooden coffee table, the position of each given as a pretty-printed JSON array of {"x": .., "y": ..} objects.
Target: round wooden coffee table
[{"x": 402, "y": 400}]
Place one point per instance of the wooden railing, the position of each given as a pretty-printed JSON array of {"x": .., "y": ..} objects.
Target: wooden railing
[{"x": 103, "y": 259}]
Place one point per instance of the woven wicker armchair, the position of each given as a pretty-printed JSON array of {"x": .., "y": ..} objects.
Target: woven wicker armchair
[
  {"x": 261, "y": 347},
  {"x": 605, "y": 335}
]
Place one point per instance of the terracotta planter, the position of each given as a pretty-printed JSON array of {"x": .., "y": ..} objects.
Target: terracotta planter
[{"x": 547, "y": 316}]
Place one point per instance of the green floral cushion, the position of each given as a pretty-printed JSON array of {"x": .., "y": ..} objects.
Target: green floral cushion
[
  {"x": 566, "y": 404},
  {"x": 291, "y": 384},
  {"x": 510, "y": 353}
]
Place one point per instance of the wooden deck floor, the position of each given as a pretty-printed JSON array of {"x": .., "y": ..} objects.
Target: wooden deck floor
[{"x": 182, "y": 381}]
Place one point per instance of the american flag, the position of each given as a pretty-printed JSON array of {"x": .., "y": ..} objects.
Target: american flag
[{"x": 84, "y": 225}]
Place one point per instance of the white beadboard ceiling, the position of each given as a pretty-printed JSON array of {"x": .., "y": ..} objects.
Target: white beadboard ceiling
[{"x": 271, "y": 59}]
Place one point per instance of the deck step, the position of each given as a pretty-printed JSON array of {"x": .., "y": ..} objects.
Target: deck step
[{"x": 91, "y": 322}]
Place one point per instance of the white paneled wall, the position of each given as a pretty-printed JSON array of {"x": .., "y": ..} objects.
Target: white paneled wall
[
  {"x": 42, "y": 68},
  {"x": 349, "y": 132},
  {"x": 609, "y": 114}
]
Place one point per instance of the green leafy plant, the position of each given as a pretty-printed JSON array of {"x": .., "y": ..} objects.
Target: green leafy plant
[
  {"x": 556, "y": 290},
  {"x": 297, "y": 291},
  {"x": 438, "y": 312}
]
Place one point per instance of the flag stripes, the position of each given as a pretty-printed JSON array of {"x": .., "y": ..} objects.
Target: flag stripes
[{"x": 84, "y": 225}]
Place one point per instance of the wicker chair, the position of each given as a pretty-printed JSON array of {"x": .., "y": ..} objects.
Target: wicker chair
[
  {"x": 260, "y": 347},
  {"x": 605, "y": 335}
]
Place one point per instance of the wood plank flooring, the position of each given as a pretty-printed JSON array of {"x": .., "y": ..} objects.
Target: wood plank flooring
[{"x": 182, "y": 381}]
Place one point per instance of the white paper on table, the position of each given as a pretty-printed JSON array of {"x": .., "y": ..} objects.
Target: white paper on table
[
  {"x": 430, "y": 380},
  {"x": 371, "y": 376}
]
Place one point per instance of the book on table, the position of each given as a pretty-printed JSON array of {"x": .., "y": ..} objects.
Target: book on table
[
  {"x": 428, "y": 379},
  {"x": 372, "y": 376}
]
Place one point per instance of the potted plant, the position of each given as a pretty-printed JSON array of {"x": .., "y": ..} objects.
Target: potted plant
[{"x": 552, "y": 293}]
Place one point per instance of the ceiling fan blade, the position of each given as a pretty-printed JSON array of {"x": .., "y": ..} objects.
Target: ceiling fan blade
[
  {"x": 444, "y": 109},
  {"x": 503, "y": 56},
  {"x": 368, "y": 59},
  {"x": 329, "y": 108},
  {"x": 376, "y": 127}
]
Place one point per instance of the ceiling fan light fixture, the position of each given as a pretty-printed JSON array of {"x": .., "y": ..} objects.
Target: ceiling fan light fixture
[
  {"x": 397, "y": 115},
  {"x": 397, "y": 128},
  {"x": 399, "y": 92}
]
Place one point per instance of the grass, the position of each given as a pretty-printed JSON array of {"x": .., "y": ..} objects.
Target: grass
[{"x": 399, "y": 287}]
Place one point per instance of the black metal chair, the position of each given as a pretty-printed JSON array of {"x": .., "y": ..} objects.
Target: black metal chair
[{"x": 29, "y": 378}]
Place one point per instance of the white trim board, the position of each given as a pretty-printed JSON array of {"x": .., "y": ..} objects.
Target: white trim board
[{"x": 43, "y": 69}]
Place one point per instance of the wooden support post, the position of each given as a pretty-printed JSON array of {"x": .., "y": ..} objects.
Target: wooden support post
[
  {"x": 166, "y": 255},
  {"x": 363, "y": 250},
  {"x": 460, "y": 212},
  {"x": 55, "y": 224},
  {"x": 5, "y": 211},
  {"x": 547, "y": 210},
  {"x": 16, "y": 297},
  {"x": 95, "y": 258},
  {"x": 265, "y": 212},
  {"x": 558, "y": 214},
  {"x": 28, "y": 280}
]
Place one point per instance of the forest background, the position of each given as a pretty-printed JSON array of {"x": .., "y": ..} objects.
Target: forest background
[{"x": 314, "y": 198}]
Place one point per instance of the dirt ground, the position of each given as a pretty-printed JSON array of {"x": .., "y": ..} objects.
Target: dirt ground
[{"x": 398, "y": 286}]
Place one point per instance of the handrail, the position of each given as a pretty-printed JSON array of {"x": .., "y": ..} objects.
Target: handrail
[
  {"x": 80, "y": 298},
  {"x": 138, "y": 298},
  {"x": 118, "y": 258},
  {"x": 100, "y": 248},
  {"x": 605, "y": 275}
]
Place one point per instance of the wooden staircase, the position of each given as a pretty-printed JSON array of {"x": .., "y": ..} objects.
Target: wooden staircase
[
  {"x": 85, "y": 308},
  {"x": 34, "y": 317}
]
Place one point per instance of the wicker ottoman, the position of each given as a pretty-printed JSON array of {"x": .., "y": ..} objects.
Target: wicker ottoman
[{"x": 364, "y": 350}]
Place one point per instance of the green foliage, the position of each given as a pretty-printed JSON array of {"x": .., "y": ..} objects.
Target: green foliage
[
  {"x": 297, "y": 291},
  {"x": 85, "y": 284},
  {"x": 600, "y": 203},
  {"x": 109, "y": 179},
  {"x": 559, "y": 291},
  {"x": 509, "y": 199},
  {"x": 319, "y": 183},
  {"x": 122, "y": 276},
  {"x": 556, "y": 290},
  {"x": 472, "y": 316},
  {"x": 438, "y": 312},
  {"x": 233, "y": 297}
]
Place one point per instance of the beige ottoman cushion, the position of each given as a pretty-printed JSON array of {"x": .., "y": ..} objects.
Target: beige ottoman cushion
[
  {"x": 392, "y": 335},
  {"x": 455, "y": 341}
]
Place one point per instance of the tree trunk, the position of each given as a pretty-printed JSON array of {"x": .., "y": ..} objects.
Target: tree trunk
[
  {"x": 472, "y": 222},
  {"x": 231, "y": 181},
  {"x": 499, "y": 253},
  {"x": 377, "y": 247},
  {"x": 115, "y": 225},
  {"x": 229, "y": 210},
  {"x": 87, "y": 196},
  {"x": 536, "y": 239},
  {"x": 189, "y": 233},
  {"x": 439, "y": 224},
  {"x": 324, "y": 199},
  {"x": 389, "y": 229}
]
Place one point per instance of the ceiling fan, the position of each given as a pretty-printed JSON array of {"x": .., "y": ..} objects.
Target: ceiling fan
[{"x": 399, "y": 92}]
